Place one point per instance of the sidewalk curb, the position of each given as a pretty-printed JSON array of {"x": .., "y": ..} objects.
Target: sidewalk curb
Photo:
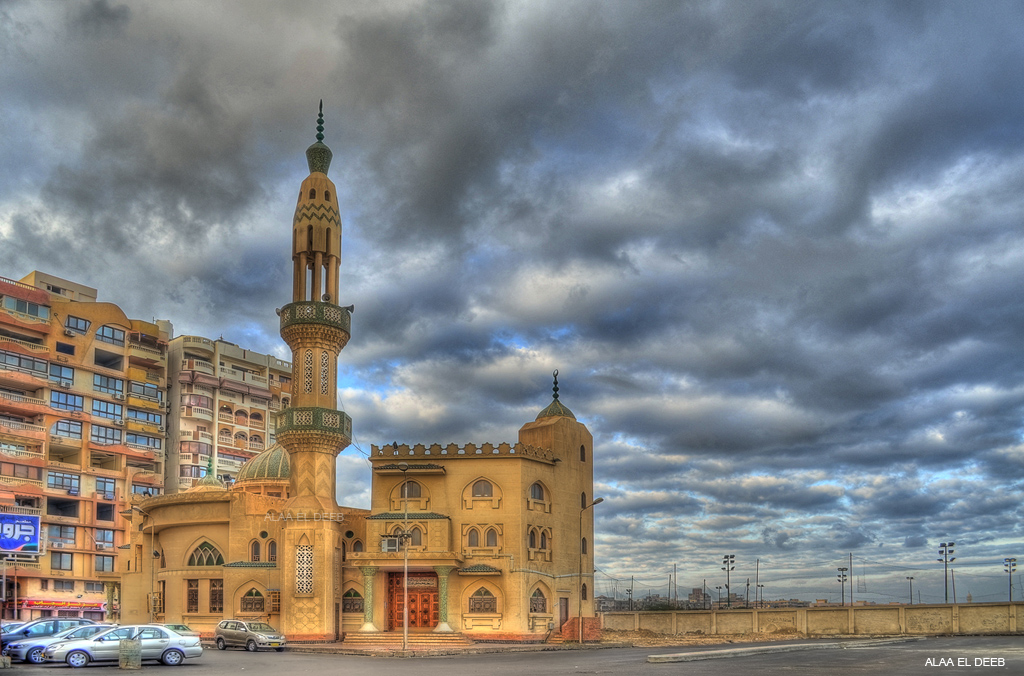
[{"x": 761, "y": 650}]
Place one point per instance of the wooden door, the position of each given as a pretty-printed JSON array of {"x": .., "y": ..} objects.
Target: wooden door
[
  {"x": 563, "y": 612},
  {"x": 424, "y": 602}
]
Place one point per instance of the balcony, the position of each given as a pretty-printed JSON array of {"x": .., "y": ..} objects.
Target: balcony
[
  {"x": 31, "y": 347},
  {"x": 185, "y": 482},
  {"x": 256, "y": 446},
  {"x": 59, "y": 441},
  {"x": 226, "y": 418},
  {"x": 199, "y": 412},
  {"x": 144, "y": 375},
  {"x": 23, "y": 404},
  {"x": 257, "y": 423},
  {"x": 30, "y": 452},
  {"x": 144, "y": 354},
  {"x": 200, "y": 365},
  {"x": 15, "y": 376},
  {"x": 199, "y": 343},
  {"x": 20, "y": 481}
]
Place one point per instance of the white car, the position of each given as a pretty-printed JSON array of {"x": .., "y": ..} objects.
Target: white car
[
  {"x": 158, "y": 643},
  {"x": 30, "y": 649}
]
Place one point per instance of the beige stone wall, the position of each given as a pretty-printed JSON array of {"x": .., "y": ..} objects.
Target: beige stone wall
[{"x": 979, "y": 618}]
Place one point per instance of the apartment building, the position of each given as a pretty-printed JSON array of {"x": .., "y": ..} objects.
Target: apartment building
[
  {"x": 224, "y": 403},
  {"x": 82, "y": 419}
]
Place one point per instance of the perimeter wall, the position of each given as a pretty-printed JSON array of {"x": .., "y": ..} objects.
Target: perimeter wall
[{"x": 975, "y": 618}]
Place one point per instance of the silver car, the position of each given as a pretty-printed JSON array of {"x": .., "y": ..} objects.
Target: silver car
[
  {"x": 248, "y": 634},
  {"x": 158, "y": 643},
  {"x": 30, "y": 649}
]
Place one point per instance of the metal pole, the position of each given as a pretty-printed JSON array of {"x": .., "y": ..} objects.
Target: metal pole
[
  {"x": 404, "y": 466},
  {"x": 579, "y": 589},
  {"x": 911, "y": 590},
  {"x": 851, "y": 579}
]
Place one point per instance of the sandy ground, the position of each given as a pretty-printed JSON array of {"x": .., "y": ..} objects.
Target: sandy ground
[{"x": 647, "y": 639}]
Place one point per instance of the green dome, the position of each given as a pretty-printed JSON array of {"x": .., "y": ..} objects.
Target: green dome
[
  {"x": 272, "y": 464},
  {"x": 209, "y": 482},
  {"x": 555, "y": 408}
]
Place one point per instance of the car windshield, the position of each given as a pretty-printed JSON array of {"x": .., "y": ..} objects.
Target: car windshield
[
  {"x": 83, "y": 632},
  {"x": 260, "y": 626}
]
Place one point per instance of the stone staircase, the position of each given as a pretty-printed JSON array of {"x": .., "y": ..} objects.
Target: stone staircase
[{"x": 392, "y": 640}]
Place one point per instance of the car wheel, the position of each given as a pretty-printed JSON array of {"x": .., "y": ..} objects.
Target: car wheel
[
  {"x": 173, "y": 658},
  {"x": 220, "y": 644},
  {"x": 251, "y": 646},
  {"x": 77, "y": 659},
  {"x": 280, "y": 650},
  {"x": 35, "y": 656}
]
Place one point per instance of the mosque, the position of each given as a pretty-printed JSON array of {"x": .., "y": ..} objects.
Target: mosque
[{"x": 496, "y": 539}]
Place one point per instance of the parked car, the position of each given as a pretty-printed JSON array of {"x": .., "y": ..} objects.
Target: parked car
[
  {"x": 182, "y": 629},
  {"x": 30, "y": 649},
  {"x": 47, "y": 626},
  {"x": 10, "y": 626},
  {"x": 248, "y": 634},
  {"x": 158, "y": 643}
]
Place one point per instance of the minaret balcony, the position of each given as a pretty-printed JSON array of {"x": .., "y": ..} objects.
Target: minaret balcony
[
  {"x": 308, "y": 312},
  {"x": 314, "y": 420}
]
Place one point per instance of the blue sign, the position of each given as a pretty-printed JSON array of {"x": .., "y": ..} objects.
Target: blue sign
[{"x": 19, "y": 533}]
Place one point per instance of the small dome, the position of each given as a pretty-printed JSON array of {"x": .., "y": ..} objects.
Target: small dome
[
  {"x": 210, "y": 482},
  {"x": 555, "y": 408},
  {"x": 272, "y": 464}
]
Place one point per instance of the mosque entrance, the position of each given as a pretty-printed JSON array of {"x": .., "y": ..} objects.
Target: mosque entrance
[{"x": 424, "y": 611}]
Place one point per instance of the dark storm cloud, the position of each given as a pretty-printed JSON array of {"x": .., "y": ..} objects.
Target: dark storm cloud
[{"x": 772, "y": 247}]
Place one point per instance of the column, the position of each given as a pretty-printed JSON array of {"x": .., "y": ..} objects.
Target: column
[
  {"x": 369, "y": 574},
  {"x": 442, "y": 600}
]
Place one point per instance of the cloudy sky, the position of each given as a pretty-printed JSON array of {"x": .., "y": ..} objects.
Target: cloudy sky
[{"x": 775, "y": 249}]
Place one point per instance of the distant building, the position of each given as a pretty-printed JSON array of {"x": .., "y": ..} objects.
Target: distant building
[{"x": 82, "y": 421}]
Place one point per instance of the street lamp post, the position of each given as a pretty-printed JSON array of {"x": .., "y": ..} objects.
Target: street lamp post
[
  {"x": 728, "y": 566},
  {"x": 945, "y": 549},
  {"x": 911, "y": 590},
  {"x": 404, "y": 466},
  {"x": 579, "y": 590},
  {"x": 1010, "y": 565},
  {"x": 842, "y": 585},
  {"x": 719, "y": 588},
  {"x": 761, "y": 587}
]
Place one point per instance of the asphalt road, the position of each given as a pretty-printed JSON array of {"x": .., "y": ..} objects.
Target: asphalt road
[{"x": 946, "y": 655}]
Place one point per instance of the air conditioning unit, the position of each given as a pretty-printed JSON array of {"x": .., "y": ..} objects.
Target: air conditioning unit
[
  {"x": 119, "y": 422},
  {"x": 161, "y": 429},
  {"x": 64, "y": 384},
  {"x": 69, "y": 333},
  {"x": 73, "y": 491},
  {"x": 390, "y": 544},
  {"x": 57, "y": 545},
  {"x": 101, "y": 546},
  {"x": 119, "y": 397},
  {"x": 108, "y": 496}
]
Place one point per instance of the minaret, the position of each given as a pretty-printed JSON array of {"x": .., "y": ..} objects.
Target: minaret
[{"x": 316, "y": 328}]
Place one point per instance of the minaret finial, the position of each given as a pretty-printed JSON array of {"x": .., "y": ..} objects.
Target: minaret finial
[
  {"x": 555, "y": 388},
  {"x": 320, "y": 123}
]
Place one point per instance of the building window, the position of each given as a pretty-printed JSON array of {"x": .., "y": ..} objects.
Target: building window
[
  {"x": 416, "y": 537},
  {"x": 536, "y": 491},
  {"x": 65, "y": 348},
  {"x": 67, "y": 428},
  {"x": 21, "y": 362},
  {"x": 192, "y": 598},
  {"x": 76, "y": 324},
  {"x": 64, "y": 535},
  {"x": 583, "y": 500},
  {"x": 410, "y": 489},
  {"x": 104, "y": 536},
  {"x": 304, "y": 569},
  {"x": 105, "y": 486},
  {"x": 474, "y": 537},
  {"x": 254, "y": 551},
  {"x": 544, "y": 540},
  {"x": 272, "y": 551},
  {"x": 538, "y": 602},
  {"x": 357, "y": 547},
  {"x": 583, "y": 592},
  {"x": 109, "y": 334},
  {"x": 492, "y": 538},
  {"x": 60, "y": 561},
  {"x": 206, "y": 555},
  {"x": 147, "y": 391},
  {"x": 62, "y": 481},
  {"x": 533, "y": 539},
  {"x": 65, "y": 375},
  {"x": 216, "y": 596},
  {"x": 142, "y": 440},
  {"x": 104, "y": 564},
  {"x": 274, "y": 596},
  {"x": 21, "y": 471},
  {"x": 106, "y": 409},
  {"x": 105, "y": 436},
  {"x": 146, "y": 416},
  {"x": 27, "y": 308},
  {"x": 107, "y": 385},
  {"x": 583, "y": 545},
  {"x": 352, "y": 602},
  {"x": 148, "y": 491},
  {"x": 64, "y": 585},
  {"x": 252, "y": 602},
  {"x": 94, "y": 587},
  {"x": 483, "y": 601},
  {"x": 583, "y": 453},
  {"x": 483, "y": 489},
  {"x": 66, "y": 401}
]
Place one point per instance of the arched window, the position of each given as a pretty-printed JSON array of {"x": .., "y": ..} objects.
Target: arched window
[
  {"x": 583, "y": 500},
  {"x": 482, "y": 489},
  {"x": 410, "y": 489},
  {"x": 538, "y": 602},
  {"x": 483, "y": 601},
  {"x": 533, "y": 539},
  {"x": 416, "y": 537},
  {"x": 583, "y": 453},
  {"x": 327, "y": 195},
  {"x": 583, "y": 592},
  {"x": 474, "y": 537},
  {"x": 543, "y": 540},
  {"x": 583, "y": 545},
  {"x": 344, "y": 550},
  {"x": 272, "y": 550},
  {"x": 312, "y": 193},
  {"x": 537, "y": 491},
  {"x": 241, "y": 436},
  {"x": 255, "y": 418},
  {"x": 252, "y": 602},
  {"x": 357, "y": 547},
  {"x": 254, "y": 551},
  {"x": 206, "y": 555},
  {"x": 492, "y": 538},
  {"x": 352, "y": 602}
]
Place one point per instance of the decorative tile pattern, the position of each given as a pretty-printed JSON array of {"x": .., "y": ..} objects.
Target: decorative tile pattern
[
  {"x": 325, "y": 370},
  {"x": 304, "y": 569},
  {"x": 307, "y": 371}
]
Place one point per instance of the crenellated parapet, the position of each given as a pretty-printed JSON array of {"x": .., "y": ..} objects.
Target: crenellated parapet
[{"x": 436, "y": 451}]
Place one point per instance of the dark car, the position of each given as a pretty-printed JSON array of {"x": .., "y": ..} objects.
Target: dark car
[{"x": 47, "y": 626}]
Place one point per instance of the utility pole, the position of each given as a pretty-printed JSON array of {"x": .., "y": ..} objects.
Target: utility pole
[
  {"x": 911, "y": 590},
  {"x": 945, "y": 549},
  {"x": 704, "y": 596},
  {"x": 1010, "y": 565},
  {"x": 851, "y": 579},
  {"x": 675, "y": 586},
  {"x": 748, "y": 593},
  {"x": 842, "y": 584},
  {"x": 757, "y": 579},
  {"x": 630, "y": 592},
  {"x": 728, "y": 565},
  {"x": 952, "y": 576}
]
